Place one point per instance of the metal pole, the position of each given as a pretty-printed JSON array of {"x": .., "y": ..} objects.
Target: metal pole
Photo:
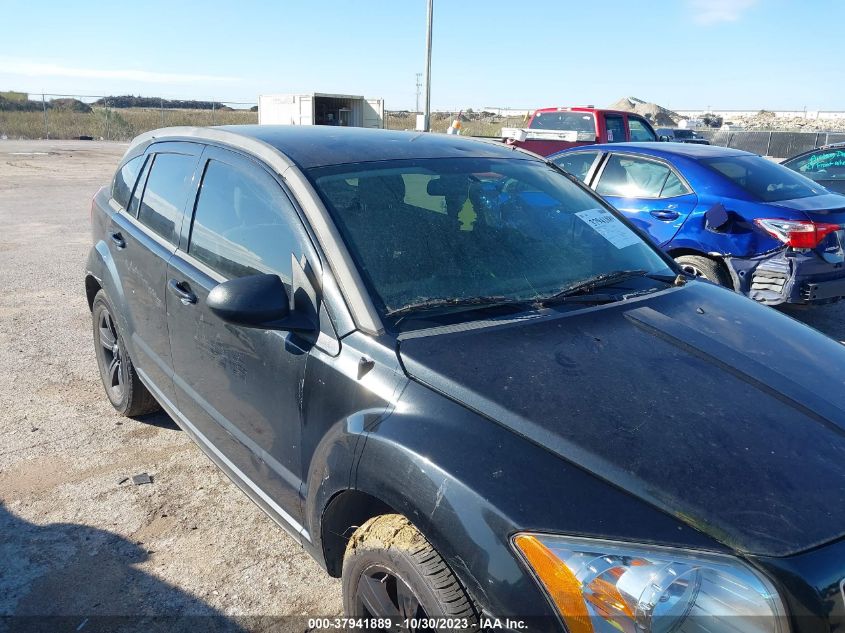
[
  {"x": 419, "y": 85},
  {"x": 769, "y": 144},
  {"x": 108, "y": 122},
  {"x": 46, "y": 124},
  {"x": 212, "y": 112},
  {"x": 162, "y": 112},
  {"x": 427, "y": 113}
]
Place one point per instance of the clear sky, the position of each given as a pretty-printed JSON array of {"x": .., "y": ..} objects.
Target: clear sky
[{"x": 727, "y": 54}]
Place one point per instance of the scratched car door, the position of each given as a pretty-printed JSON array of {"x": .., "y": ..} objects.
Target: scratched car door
[
  {"x": 239, "y": 386},
  {"x": 650, "y": 194},
  {"x": 143, "y": 236}
]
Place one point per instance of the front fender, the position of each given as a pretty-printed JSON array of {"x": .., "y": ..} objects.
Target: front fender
[{"x": 469, "y": 484}]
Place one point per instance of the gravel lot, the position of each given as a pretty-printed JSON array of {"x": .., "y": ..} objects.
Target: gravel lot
[{"x": 76, "y": 538}]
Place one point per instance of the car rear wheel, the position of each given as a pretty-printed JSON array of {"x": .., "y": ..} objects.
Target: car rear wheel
[
  {"x": 709, "y": 269},
  {"x": 391, "y": 571},
  {"x": 124, "y": 389}
]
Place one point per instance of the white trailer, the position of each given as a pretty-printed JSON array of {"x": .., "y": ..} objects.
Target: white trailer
[{"x": 317, "y": 108}]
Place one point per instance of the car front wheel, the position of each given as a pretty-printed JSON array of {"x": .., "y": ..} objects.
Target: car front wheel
[{"x": 391, "y": 571}]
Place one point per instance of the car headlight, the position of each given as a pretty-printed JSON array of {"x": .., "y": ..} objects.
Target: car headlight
[{"x": 605, "y": 587}]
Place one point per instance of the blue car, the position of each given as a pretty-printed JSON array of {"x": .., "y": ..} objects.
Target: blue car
[{"x": 732, "y": 217}]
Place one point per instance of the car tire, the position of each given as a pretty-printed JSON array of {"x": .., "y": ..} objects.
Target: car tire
[
  {"x": 124, "y": 389},
  {"x": 391, "y": 570},
  {"x": 709, "y": 269}
]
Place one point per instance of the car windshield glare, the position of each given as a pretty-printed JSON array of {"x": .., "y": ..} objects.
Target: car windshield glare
[
  {"x": 764, "y": 179},
  {"x": 460, "y": 228}
]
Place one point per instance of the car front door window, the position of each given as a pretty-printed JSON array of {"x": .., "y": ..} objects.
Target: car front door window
[
  {"x": 640, "y": 131},
  {"x": 242, "y": 223}
]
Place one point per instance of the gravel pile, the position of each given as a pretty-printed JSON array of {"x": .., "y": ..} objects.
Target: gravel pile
[{"x": 653, "y": 113}]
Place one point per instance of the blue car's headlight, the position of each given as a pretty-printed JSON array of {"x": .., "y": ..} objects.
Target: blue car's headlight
[{"x": 604, "y": 587}]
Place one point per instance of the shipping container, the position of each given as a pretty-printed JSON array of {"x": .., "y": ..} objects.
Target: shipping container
[{"x": 318, "y": 108}]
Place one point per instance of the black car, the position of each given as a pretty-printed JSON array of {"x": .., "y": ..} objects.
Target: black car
[
  {"x": 469, "y": 387},
  {"x": 680, "y": 135},
  {"x": 825, "y": 165}
]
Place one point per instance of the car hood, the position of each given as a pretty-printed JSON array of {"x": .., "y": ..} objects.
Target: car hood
[{"x": 726, "y": 414}]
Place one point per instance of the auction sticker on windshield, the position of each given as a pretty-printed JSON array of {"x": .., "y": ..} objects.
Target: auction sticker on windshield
[{"x": 609, "y": 227}]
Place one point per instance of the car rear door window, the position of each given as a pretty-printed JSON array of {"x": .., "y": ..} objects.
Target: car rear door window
[
  {"x": 125, "y": 179},
  {"x": 630, "y": 177},
  {"x": 578, "y": 163},
  {"x": 640, "y": 131},
  {"x": 243, "y": 223},
  {"x": 165, "y": 193},
  {"x": 615, "y": 128}
]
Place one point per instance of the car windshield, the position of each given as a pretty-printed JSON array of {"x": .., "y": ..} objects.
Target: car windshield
[
  {"x": 763, "y": 179},
  {"x": 568, "y": 121},
  {"x": 823, "y": 164},
  {"x": 475, "y": 230}
]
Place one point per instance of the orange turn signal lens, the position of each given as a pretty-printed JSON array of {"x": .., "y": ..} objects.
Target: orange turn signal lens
[{"x": 561, "y": 584}]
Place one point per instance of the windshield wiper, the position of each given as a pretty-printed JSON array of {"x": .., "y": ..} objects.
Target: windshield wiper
[
  {"x": 456, "y": 304},
  {"x": 597, "y": 281}
]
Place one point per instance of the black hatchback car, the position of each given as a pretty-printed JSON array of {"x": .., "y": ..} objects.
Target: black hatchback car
[{"x": 469, "y": 387}]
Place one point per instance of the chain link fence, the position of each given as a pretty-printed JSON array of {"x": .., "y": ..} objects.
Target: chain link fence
[
  {"x": 55, "y": 116},
  {"x": 771, "y": 143}
]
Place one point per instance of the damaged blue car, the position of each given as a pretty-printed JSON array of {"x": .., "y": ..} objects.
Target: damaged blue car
[{"x": 732, "y": 217}]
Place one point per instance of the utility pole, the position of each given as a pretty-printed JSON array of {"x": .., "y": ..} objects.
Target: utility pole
[
  {"x": 427, "y": 112},
  {"x": 419, "y": 84}
]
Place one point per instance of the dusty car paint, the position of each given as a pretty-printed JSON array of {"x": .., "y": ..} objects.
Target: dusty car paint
[{"x": 687, "y": 417}]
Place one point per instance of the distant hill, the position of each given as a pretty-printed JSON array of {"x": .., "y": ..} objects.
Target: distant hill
[
  {"x": 26, "y": 105},
  {"x": 129, "y": 101}
]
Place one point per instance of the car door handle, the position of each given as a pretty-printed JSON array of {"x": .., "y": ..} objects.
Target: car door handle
[
  {"x": 118, "y": 240},
  {"x": 665, "y": 214},
  {"x": 185, "y": 296}
]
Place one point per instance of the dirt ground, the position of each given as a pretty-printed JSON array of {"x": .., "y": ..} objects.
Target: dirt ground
[{"x": 77, "y": 538}]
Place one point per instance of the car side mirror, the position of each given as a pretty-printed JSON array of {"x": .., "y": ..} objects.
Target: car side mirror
[
  {"x": 663, "y": 137},
  {"x": 259, "y": 301}
]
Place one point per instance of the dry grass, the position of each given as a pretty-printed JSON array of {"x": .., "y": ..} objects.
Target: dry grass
[
  {"x": 112, "y": 124},
  {"x": 123, "y": 124},
  {"x": 475, "y": 126}
]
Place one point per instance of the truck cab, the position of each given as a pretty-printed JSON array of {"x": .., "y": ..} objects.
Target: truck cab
[{"x": 551, "y": 130}]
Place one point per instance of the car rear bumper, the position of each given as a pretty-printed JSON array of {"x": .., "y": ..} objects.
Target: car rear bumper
[{"x": 788, "y": 277}]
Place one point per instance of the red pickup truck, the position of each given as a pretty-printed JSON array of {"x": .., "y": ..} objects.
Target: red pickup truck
[{"x": 551, "y": 130}]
